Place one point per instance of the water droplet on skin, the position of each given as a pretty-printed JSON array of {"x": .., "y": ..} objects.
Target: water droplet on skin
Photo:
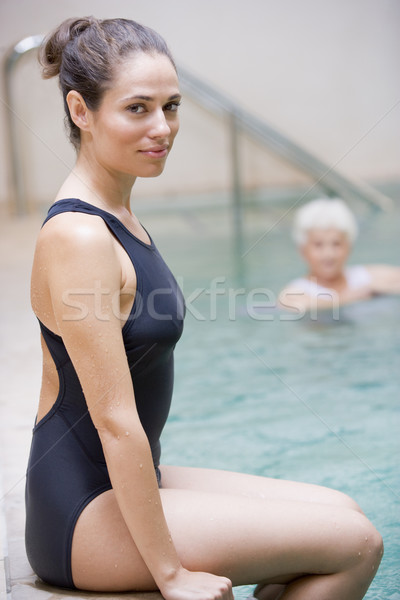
[
  {"x": 127, "y": 433},
  {"x": 140, "y": 466},
  {"x": 116, "y": 566},
  {"x": 366, "y": 539},
  {"x": 359, "y": 554},
  {"x": 117, "y": 437}
]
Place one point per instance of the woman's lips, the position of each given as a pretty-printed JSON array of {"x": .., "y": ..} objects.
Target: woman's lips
[{"x": 156, "y": 152}]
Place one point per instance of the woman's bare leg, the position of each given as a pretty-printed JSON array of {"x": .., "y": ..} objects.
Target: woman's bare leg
[
  {"x": 257, "y": 487},
  {"x": 249, "y": 539},
  {"x": 251, "y": 486},
  {"x": 261, "y": 487}
]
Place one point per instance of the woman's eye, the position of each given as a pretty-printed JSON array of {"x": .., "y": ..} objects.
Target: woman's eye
[
  {"x": 172, "y": 106},
  {"x": 136, "y": 108}
]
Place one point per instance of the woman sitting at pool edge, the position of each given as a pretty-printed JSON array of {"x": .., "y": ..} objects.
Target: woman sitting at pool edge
[
  {"x": 103, "y": 513},
  {"x": 324, "y": 231}
]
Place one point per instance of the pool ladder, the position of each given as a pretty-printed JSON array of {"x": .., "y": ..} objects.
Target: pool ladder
[{"x": 240, "y": 121}]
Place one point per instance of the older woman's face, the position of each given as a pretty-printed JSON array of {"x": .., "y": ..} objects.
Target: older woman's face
[
  {"x": 326, "y": 252},
  {"x": 134, "y": 129}
]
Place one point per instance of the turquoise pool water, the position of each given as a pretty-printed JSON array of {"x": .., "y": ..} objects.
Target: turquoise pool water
[{"x": 306, "y": 399}]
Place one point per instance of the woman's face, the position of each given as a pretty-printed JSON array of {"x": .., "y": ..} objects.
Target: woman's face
[
  {"x": 134, "y": 129},
  {"x": 326, "y": 252}
]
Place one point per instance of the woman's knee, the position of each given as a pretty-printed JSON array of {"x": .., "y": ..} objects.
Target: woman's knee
[
  {"x": 375, "y": 544},
  {"x": 369, "y": 544}
]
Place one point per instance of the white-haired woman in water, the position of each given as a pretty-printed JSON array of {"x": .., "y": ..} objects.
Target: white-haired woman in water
[
  {"x": 104, "y": 513},
  {"x": 324, "y": 231}
]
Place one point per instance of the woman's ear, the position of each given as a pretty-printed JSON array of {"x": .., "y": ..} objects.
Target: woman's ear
[{"x": 78, "y": 110}]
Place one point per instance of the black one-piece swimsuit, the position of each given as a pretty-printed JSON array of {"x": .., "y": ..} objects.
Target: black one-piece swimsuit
[{"x": 66, "y": 467}]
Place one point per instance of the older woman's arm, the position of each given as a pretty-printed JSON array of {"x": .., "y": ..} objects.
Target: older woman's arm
[
  {"x": 300, "y": 302},
  {"x": 385, "y": 279}
]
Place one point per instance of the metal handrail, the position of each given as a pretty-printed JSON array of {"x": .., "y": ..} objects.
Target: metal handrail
[
  {"x": 18, "y": 195},
  {"x": 240, "y": 121},
  {"x": 327, "y": 176}
]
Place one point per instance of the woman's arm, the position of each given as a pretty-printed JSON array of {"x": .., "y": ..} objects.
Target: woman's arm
[
  {"x": 84, "y": 278},
  {"x": 298, "y": 301},
  {"x": 385, "y": 279}
]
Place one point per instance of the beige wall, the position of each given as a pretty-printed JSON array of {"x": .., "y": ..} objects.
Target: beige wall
[{"x": 325, "y": 72}]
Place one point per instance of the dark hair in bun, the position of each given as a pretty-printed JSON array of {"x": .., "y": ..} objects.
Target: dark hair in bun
[{"x": 85, "y": 52}]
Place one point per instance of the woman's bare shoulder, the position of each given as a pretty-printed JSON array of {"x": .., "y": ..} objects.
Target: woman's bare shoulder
[
  {"x": 74, "y": 247},
  {"x": 74, "y": 228},
  {"x": 73, "y": 250},
  {"x": 74, "y": 238}
]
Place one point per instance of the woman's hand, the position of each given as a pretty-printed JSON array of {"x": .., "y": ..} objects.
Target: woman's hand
[{"x": 188, "y": 585}]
